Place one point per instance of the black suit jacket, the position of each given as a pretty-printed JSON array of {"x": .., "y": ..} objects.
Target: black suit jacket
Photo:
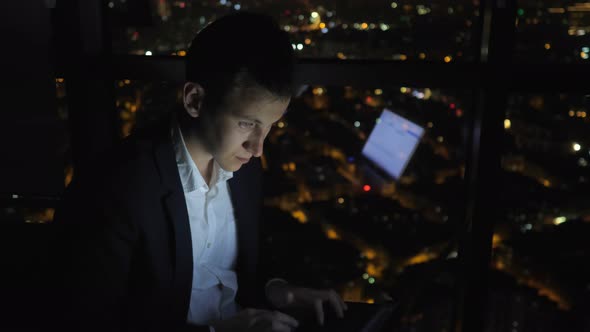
[{"x": 125, "y": 247}]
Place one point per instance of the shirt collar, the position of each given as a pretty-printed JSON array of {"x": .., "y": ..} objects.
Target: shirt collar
[{"x": 190, "y": 175}]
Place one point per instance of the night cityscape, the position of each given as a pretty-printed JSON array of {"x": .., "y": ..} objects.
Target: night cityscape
[{"x": 370, "y": 236}]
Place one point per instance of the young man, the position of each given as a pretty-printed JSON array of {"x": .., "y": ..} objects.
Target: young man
[{"x": 162, "y": 235}]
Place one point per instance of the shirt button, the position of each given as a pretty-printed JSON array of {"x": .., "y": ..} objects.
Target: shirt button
[{"x": 209, "y": 245}]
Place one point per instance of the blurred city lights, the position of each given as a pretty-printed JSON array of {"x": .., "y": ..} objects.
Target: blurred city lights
[
  {"x": 559, "y": 220},
  {"x": 148, "y": 53},
  {"x": 357, "y": 124},
  {"x": 576, "y": 147},
  {"x": 366, "y": 187},
  {"x": 318, "y": 91},
  {"x": 507, "y": 124}
]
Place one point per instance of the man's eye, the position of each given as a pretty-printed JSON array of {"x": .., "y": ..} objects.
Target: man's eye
[{"x": 246, "y": 124}]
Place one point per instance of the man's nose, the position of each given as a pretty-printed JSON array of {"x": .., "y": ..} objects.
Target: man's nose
[{"x": 255, "y": 145}]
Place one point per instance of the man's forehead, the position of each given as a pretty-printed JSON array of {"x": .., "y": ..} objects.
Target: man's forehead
[{"x": 261, "y": 108}]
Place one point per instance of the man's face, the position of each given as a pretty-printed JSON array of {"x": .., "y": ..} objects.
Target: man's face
[{"x": 241, "y": 126}]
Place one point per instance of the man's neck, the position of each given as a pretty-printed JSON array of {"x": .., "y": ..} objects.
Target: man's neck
[{"x": 202, "y": 158}]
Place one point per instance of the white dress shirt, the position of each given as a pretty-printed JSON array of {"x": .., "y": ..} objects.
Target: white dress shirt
[{"x": 214, "y": 238}]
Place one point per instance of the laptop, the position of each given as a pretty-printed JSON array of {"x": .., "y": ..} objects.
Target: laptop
[
  {"x": 391, "y": 144},
  {"x": 360, "y": 317}
]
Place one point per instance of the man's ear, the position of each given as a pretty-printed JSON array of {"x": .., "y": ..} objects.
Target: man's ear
[{"x": 192, "y": 98}]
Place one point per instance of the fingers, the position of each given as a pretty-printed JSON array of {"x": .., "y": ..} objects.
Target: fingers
[
  {"x": 319, "y": 310},
  {"x": 342, "y": 303},
  {"x": 285, "y": 319},
  {"x": 336, "y": 302},
  {"x": 290, "y": 297},
  {"x": 251, "y": 312},
  {"x": 274, "y": 321}
]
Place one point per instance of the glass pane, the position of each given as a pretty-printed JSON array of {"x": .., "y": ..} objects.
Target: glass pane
[
  {"x": 434, "y": 31},
  {"x": 139, "y": 103},
  {"x": 355, "y": 229},
  {"x": 34, "y": 142},
  {"x": 359, "y": 230},
  {"x": 541, "y": 240},
  {"x": 63, "y": 114},
  {"x": 17, "y": 215},
  {"x": 554, "y": 32}
]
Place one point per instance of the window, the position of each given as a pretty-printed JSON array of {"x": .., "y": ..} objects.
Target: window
[
  {"x": 555, "y": 32},
  {"x": 362, "y": 236},
  {"x": 538, "y": 241},
  {"x": 439, "y": 31}
]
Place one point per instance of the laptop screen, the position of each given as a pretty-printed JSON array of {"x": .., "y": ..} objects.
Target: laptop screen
[{"x": 392, "y": 143}]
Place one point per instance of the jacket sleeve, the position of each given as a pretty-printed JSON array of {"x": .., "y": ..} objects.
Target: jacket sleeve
[{"x": 95, "y": 248}]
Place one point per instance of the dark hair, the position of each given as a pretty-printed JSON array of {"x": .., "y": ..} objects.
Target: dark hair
[{"x": 243, "y": 49}]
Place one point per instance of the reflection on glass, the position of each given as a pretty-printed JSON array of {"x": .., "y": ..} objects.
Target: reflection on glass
[
  {"x": 539, "y": 246},
  {"x": 367, "y": 234},
  {"x": 401, "y": 30}
]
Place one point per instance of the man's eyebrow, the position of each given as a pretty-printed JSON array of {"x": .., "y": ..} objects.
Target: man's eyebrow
[
  {"x": 250, "y": 118},
  {"x": 254, "y": 119}
]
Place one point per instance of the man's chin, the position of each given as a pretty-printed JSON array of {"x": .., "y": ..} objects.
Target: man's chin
[{"x": 232, "y": 167}]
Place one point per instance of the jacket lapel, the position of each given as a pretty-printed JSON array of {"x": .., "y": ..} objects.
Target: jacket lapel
[
  {"x": 245, "y": 196},
  {"x": 244, "y": 189},
  {"x": 174, "y": 204}
]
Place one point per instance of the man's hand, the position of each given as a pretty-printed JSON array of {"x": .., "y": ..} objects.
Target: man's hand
[
  {"x": 256, "y": 320},
  {"x": 282, "y": 295}
]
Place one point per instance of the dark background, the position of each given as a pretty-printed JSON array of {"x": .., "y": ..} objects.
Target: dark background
[{"x": 484, "y": 232}]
